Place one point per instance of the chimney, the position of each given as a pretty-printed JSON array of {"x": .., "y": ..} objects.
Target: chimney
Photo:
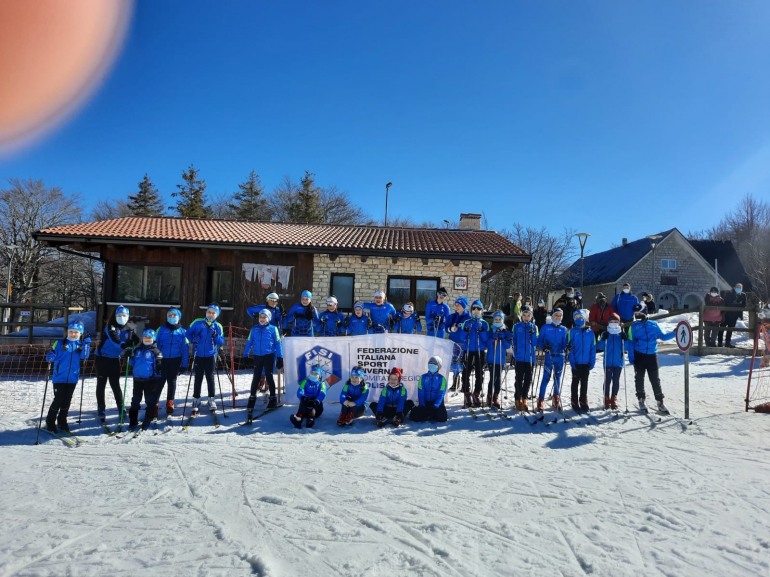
[
  {"x": 470, "y": 221},
  {"x": 624, "y": 241}
]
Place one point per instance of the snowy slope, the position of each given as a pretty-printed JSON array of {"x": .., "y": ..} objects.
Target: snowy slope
[{"x": 470, "y": 497}]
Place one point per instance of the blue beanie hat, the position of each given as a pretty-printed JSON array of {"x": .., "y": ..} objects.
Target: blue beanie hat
[
  {"x": 215, "y": 308},
  {"x": 462, "y": 301}
]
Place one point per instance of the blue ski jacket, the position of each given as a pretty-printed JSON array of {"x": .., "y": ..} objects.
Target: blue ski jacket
[
  {"x": 644, "y": 336},
  {"x": 457, "y": 320},
  {"x": 66, "y": 356},
  {"x": 332, "y": 324},
  {"x": 146, "y": 361},
  {"x": 553, "y": 338},
  {"x": 498, "y": 341},
  {"x": 276, "y": 313},
  {"x": 382, "y": 316},
  {"x": 613, "y": 349},
  {"x": 582, "y": 347},
  {"x": 431, "y": 388},
  {"x": 525, "y": 338},
  {"x": 356, "y": 393},
  {"x": 624, "y": 304},
  {"x": 358, "y": 325},
  {"x": 476, "y": 333},
  {"x": 312, "y": 390},
  {"x": 206, "y": 337},
  {"x": 302, "y": 321},
  {"x": 407, "y": 325},
  {"x": 264, "y": 340},
  {"x": 436, "y": 316},
  {"x": 114, "y": 336},
  {"x": 392, "y": 397},
  {"x": 172, "y": 342}
]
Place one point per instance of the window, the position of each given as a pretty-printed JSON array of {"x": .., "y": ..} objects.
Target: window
[
  {"x": 148, "y": 284},
  {"x": 668, "y": 264},
  {"x": 220, "y": 287},
  {"x": 342, "y": 287},
  {"x": 419, "y": 291}
]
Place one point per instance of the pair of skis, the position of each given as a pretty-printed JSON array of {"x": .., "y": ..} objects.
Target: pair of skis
[{"x": 66, "y": 437}]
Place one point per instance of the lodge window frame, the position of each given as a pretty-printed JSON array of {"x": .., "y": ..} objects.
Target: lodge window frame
[
  {"x": 412, "y": 290},
  {"x": 340, "y": 306},
  {"x": 119, "y": 293}
]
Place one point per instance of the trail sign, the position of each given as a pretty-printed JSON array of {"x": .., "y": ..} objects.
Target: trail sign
[{"x": 683, "y": 336}]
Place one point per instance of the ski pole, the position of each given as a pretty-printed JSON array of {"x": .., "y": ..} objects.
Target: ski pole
[
  {"x": 42, "y": 408},
  {"x": 125, "y": 387},
  {"x": 219, "y": 383},
  {"x": 189, "y": 382},
  {"x": 280, "y": 385},
  {"x": 82, "y": 387},
  {"x": 623, "y": 368}
]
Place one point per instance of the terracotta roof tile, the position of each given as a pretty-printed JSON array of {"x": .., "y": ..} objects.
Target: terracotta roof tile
[{"x": 311, "y": 237}]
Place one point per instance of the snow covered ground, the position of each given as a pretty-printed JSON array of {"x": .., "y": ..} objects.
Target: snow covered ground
[{"x": 470, "y": 497}]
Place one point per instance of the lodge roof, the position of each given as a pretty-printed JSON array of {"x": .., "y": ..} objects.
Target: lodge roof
[{"x": 293, "y": 237}]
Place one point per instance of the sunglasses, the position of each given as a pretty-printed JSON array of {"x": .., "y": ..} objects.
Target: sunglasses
[{"x": 475, "y": 308}]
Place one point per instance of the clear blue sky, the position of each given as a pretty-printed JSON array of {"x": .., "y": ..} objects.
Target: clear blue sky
[{"x": 617, "y": 118}]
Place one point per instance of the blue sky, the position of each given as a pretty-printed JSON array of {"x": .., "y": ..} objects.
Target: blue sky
[{"x": 618, "y": 118}]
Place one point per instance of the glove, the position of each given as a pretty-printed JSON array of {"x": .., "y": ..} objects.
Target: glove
[
  {"x": 309, "y": 403},
  {"x": 453, "y": 329},
  {"x": 279, "y": 363},
  {"x": 213, "y": 330},
  {"x": 398, "y": 419},
  {"x": 125, "y": 344},
  {"x": 349, "y": 403},
  {"x": 50, "y": 356},
  {"x": 379, "y": 417},
  {"x": 309, "y": 313},
  {"x": 467, "y": 329}
]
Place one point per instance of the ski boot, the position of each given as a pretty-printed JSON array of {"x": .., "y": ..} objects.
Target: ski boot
[
  {"x": 476, "y": 400},
  {"x": 212, "y": 405},
  {"x": 343, "y": 419},
  {"x": 662, "y": 408},
  {"x": 273, "y": 402},
  {"x": 584, "y": 408},
  {"x": 101, "y": 415},
  {"x": 556, "y": 402},
  {"x": 468, "y": 402},
  {"x": 614, "y": 402},
  {"x": 196, "y": 404},
  {"x": 540, "y": 403},
  {"x": 170, "y": 407},
  {"x": 642, "y": 406},
  {"x": 249, "y": 417},
  {"x": 310, "y": 422},
  {"x": 50, "y": 422},
  {"x": 606, "y": 402},
  {"x": 296, "y": 420},
  {"x": 495, "y": 402}
]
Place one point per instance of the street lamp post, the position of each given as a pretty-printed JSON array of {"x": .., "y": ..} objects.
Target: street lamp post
[
  {"x": 387, "y": 188},
  {"x": 654, "y": 238},
  {"x": 582, "y": 238}
]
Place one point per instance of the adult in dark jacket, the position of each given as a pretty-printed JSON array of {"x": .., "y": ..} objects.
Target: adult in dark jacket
[
  {"x": 568, "y": 305},
  {"x": 735, "y": 298},
  {"x": 540, "y": 314},
  {"x": 649, "y": 302}
]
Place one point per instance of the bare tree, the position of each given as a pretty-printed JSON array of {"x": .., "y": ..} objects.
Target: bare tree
[
  {"x": 327, "y": 205},
  {"x": 28, "y": 205},
  {"x": 109, "y": 209}
]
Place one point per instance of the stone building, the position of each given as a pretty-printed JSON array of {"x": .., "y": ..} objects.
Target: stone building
[
  {"x": 677, "y": 272},
  {"x": 155, "y": 262}
]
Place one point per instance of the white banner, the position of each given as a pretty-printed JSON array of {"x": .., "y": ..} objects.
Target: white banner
[{"x": 376, "y": 354}]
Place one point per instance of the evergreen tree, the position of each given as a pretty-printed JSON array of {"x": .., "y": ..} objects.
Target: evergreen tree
[
  {"x": 146, "y": 202},
  {"x": 250, "y": 203},
  {"x": 191, "y": 196},
  {"x": 306, "y": 204}
]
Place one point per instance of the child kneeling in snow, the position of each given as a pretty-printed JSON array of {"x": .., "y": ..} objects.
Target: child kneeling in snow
[
  {"x": 311, "y": 393},
  {"x": 353, "y": 397},
  {"x": 393, "y": 404},
  {"x": 65, "y": 355}
]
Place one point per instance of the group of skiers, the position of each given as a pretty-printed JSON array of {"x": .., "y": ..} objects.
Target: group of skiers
[{"x": 160, "y": 355}]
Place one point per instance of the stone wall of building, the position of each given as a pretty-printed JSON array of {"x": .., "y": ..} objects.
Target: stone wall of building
[{"x": 372, "y": 274}]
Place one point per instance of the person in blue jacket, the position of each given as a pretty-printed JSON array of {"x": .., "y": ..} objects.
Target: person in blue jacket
[
  {"x": 358, "y": 323},
  {"x": 436, "y": 314},
  {"x": 66, "y": 356},
  {"x": 171, "y": 340},
  {"x": 624, "y": 302},
  {"x": 265, "y": 349},
  {"x": 331, "y": 321},
  {"x": 276, "y": 311},
  {"x": 453, "y": 323},
  {"x": 476, "y": 333},
  {"x": 353, "y": 397},
  {"x": 498, "y": 343},
  {"x": 381, "y": 312},
  {"x": 525, "y": 339},
  {"x": 206, "y": 336},
  {"x": 407, "y": 321},
  {"x": 582, "y": 358},
  {"x": 393, "y": 404},
  {"x": 643, "y": 335},
  {"x": 553, "y": 342},
  {"x": 431, "y": 390},
  {"x": 613, "y": 338},
  {"x": 118, "y": 335},
  {"x": 302, "y": 319},
  {"x": 146, "y": 360},
  {"x": 311, "y": 394}
]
